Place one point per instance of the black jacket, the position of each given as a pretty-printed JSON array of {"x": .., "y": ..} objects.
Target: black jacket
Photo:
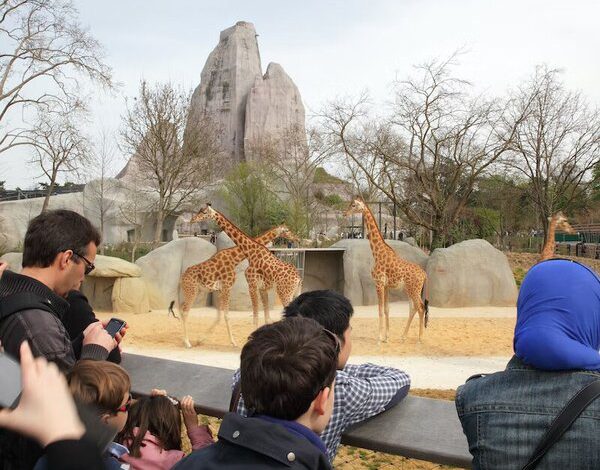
[
  {"x": 253, "y": 443},
  {"x": 44, "y": 331},
  {"x": 76, "y": 319}
]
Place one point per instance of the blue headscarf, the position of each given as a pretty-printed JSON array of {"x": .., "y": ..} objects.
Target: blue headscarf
[{"x": 558, "y": 317}]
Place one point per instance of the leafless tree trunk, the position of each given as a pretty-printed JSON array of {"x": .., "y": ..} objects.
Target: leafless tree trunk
[
  {"x": 58, "y": 146},
  {"x": 103, "y": 183},
  {"x": 175, "y": 166},
  {"x": 41, "y": 41},
  {"x": 427, "y": 155},
  {"x": 557, "y": 146}
]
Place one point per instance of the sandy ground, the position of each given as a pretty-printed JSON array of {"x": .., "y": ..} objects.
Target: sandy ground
[{"x": 457, "y": 343}]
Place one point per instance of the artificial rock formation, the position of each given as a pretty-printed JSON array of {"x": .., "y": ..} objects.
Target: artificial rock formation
[
  {"x": 247, "y": 106},
  {"x": 227, "y": 77},
  {"x": 274, "y": 111},
  {"x": 469, "y": 274}
]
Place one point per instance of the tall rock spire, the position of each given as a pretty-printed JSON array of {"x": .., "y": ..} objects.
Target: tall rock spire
[
  {"x": 274, "y": 108},
  {"x": 227, "y": 77}
]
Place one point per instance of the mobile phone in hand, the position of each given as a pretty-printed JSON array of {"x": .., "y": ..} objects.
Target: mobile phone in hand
[
  {"x": 10, "y": 385},
  {"x": 114, "y": 326}
]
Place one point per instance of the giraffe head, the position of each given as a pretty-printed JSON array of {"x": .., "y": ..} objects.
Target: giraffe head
[
  {"x": 357, "y": 206},
  {"x": 282, "y": 231},
  {"x": 561, "y": 223},
  {"x": 206, "y": 213}
]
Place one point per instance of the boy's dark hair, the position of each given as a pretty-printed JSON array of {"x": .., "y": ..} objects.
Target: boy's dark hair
[
  {"x": 285, "y": 365},
  {"x": 156, "y": 414},
  {"x": 52, "y": 232},
  {"x": 329, "y": 308}
]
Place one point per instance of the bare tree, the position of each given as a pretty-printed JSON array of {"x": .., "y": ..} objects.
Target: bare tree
[
  {"x": 175, "y": 166},
  {"x": 58, "y": 145},
  {"x": 41, "y": 41},
  {"x": 428, "y": 154},
  {"x": 103, "y": 184},
  {"x": 292, "y": 157},
  {"x": 557, "y": 146},
  {"x": 134, "y": 211}
]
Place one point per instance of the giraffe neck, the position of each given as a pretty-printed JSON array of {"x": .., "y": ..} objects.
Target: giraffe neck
[
  {"x": 376, "y": 241},
  {"x": 267, "y": 237},
  {"x": 243, "y": 241}
]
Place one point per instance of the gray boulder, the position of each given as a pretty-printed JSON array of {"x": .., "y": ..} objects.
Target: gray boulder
[
  {"x": 14, "y": 261},
  {"x": 358, "y": 263},
  {"x": 162, "y": 269},
  {"x": 468, "y": 274},
  {"x": 109, "y": 266},
  {"x": 130, "y": 295}
]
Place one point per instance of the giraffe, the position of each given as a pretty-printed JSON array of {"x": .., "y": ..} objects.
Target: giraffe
[
  {"x": 265, "y": 270},
  {"x": 557, "y": 221},
  {"x": 218, "y": 274},
  {"x": 392, "y": 272}
]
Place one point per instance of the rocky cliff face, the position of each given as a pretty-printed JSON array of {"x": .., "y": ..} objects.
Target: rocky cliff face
[
  {"x": 227, "y": 77},
  {"x": 274, "y": 107}
]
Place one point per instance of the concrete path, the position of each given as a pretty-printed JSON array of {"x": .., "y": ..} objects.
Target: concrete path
[{"x": 425, "y": 372}]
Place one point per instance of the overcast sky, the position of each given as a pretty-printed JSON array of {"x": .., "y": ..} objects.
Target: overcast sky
[{"x": 332, "y": 48}]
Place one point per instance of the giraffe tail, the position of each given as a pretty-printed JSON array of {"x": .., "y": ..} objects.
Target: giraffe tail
[
  {"x": 171, "y": 311},
  {"x": 424, "y": 298}
]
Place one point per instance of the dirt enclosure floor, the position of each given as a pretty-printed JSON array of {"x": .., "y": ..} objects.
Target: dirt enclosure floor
[{"x": 446, "y": 336}]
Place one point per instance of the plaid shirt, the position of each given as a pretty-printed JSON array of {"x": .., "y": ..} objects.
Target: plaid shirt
[{"x": 361, "y": 391}]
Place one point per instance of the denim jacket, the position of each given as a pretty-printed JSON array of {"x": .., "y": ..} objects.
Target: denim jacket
[{"x": 504, "y": 416}]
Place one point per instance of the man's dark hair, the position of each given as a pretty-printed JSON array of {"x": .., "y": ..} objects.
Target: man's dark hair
[
  {"x": 331, "y": 309},
  {"x": 52, "y": 232},
  {"x": 284, "y": 366}
]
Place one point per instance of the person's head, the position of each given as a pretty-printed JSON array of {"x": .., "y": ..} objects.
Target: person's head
[
  {"x": 157, "y": 414},
  {"x": 104, "y": 386},
  {"x": 331, "y": 310},
  {"x": 287, "y": 370},
  {"x": 64, "y": 243},
  {"x": 558, "y": 317}
]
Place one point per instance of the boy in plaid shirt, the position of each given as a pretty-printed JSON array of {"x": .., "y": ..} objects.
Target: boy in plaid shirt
[{"x": 361, "y": 391}]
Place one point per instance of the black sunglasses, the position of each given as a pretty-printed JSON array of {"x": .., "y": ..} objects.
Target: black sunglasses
[{"x": 89, "y": 266}]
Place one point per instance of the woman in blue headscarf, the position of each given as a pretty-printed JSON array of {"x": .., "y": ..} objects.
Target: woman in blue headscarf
[{"x": 558, "y": 317}]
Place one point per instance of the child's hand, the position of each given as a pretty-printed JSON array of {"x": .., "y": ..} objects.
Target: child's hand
[
  {"x": 155, "y": 392},
  {"x": 190, "y": 418}
]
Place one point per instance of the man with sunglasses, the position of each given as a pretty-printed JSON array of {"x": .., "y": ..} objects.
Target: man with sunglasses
[{"x": 58, "y": 251}]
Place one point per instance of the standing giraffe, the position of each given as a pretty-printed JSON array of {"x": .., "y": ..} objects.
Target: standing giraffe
[
  {"x": 557, "y": 221},
  {"x": 218, "y": 274},
  {"x": 392, "y": 272},
  {"x": 265, "y": 270}
]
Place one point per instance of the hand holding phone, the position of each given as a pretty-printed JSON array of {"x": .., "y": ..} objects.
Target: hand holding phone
[{"x": 114, "y": 326}]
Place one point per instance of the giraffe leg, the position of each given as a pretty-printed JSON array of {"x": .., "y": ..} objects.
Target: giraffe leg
[
  {"x": 421, "y": 310},
  {"x": 224, "y": 301},
  {"x": 264, "y": 296},
  {"x": 217, "y": 319},
  {"x": 381, "y": 299},
  {"x": 411, "y": 314},
  {"x": 190, "y": 291},
  {"x": 386, "y": 312}
]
